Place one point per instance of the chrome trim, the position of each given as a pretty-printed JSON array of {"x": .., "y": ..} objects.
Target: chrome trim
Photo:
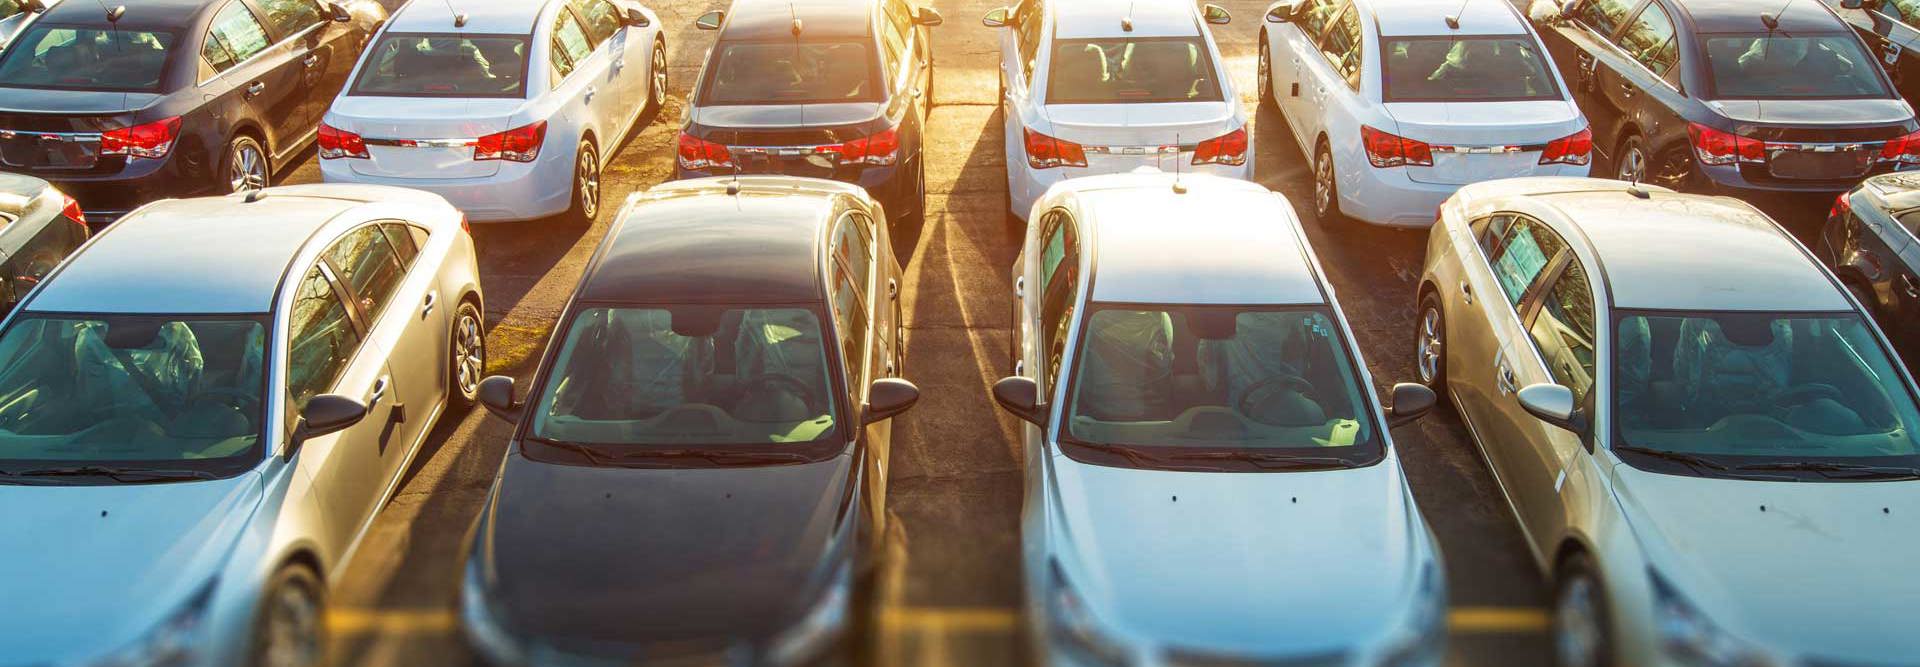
[
  {"x": 263, "y": 52},
  {"x": 52, "y": 137},
  {"x": 1141, "y": 151},
  {"x": 419, "y": 143}
]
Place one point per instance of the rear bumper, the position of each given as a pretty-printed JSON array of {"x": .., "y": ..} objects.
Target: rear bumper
[
  {"x": 1389, "y": 198},
  {"x": 109, "y": 197},
  {"x": 1729, "y": 180},
  {"x": 519, "y": 191}
]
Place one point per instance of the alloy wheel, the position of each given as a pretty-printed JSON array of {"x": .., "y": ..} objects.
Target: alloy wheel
[
  {"x": 587, "y": 182},
  {"x": 1266, "y": 73},
  {"x": 469, "y": 354},
  {"x": 1323, "y": 185},
  {"x": 659, "y": 74},
  {"x": 1633, "y": 164},
  {"x": 292, "y": 632},
  {"x": 1431, "y": 346},
  {"x": 1576, "y": 624},
  {"x": 247, "y": 168}
]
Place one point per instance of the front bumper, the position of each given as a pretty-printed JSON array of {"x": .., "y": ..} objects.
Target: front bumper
[
  {"x": 1391, "y": 198},
  {"x": 1028, "y": 185},
  {"x": 519, "y": 191},
  {"x": 892, "y": 186}
]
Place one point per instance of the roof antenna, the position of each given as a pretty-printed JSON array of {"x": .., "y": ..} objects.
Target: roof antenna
[
  {"x": 1126, "y": 22},
  {"x": 113, "y": 14},
  {"x": 796, "y": 20},
  {"x": 1179, "y": 188},
  {"x": 1633, "y": 185},
  {"x": 459, "y": 19},
  {"x": 1453, "y": 20}
]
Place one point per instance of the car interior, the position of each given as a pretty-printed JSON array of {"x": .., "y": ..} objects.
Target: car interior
[
  {"x": 86, "y": 58},
  {"x": 761, "y": 73},
  {"x": 691, "y": 375},
  {"x": 1117, "y": 71},
  {"x": 131, "y": 389},
  {"x": 446, "y": 65},
  {"x": 1200, "y": 377},
  {"x": 1748, "y": 66},
  {"x": 1480, "y": 69}
]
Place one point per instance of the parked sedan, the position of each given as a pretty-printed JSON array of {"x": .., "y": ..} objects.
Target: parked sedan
[
  {"x": 714, "y": 425},
  {"x": 1891, "y": 29},
  {"x": 508, "y": 109},
  {"x": 1209, "y": 480},
  {"x": 1675, "y": 429},
  {"x": 1730, "y": 97},
  {"x": 1869, "y": 242},
  {"x": 837, "y": 89},
  {"x": 225, "y": 391},
  {"x": 1093, "y": 87},
  {"x": 101, "y": 103},
  {"x": 16, "y": 14},
  {"x": 1397, "y": 103},
  {"x": 39, "y": 227}
]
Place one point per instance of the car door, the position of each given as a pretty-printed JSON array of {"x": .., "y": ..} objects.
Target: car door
[
  {"x": 1480, "y": 306},
  {"x": 1890, "y": 28},
  {"x": 1901, "y": 304},
  {"x": 624, "y": 81},
  {"x": 403, "y": 316},
  {"x": 1581, "y": 42},
  {"x": 570, "y": 54},
  {"x": 1561, "y": 348},
  {"x": 857, "y": 318},
  {"x": 915, "y": 52},
  {"x": 328, "y": 353},
  {"x": 241, "y": 53},
  {"x": 1522, "y": 250},
  {"x": 1639, "y": 77},
  {"x": 304, "y": 34},
  {"x": 592, "y": 77},
  {"x": 1020, "y": 55},
  {"x": 1301, "y": 63}
]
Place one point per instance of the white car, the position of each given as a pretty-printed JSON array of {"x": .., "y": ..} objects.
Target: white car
[
  {"x": 16, "y": 14},
  {"x": 510, "y": 110},
  {"x": 1101, "y": 87},
  {"x": 1209, "y": 478},
  {"x": 1398, "y": 103},
  {"x": 1707, "y": 443}
]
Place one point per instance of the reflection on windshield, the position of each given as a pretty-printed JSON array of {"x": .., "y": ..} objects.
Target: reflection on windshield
[
  {"x": 86, "y": 59},
  {"x": 1801, "y": 66},
  {"x": 1476, "y": 69},
  {"x": 1210, "y": 377},
  {"x": 445, "y": 66},
  {"x": 1108, "y": 71},
  {"x": 144, "y": 389},
  {"x": 1755, "y": 384},
  {"x": 787, "y": 72},
  {"x": 691, "y": 375}
]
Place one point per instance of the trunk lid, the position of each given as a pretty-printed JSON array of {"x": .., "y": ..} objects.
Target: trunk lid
[
  {"x": 57, "y": 131},
  {"x": 780, "y": 138},
  {"x": 423, "y": 138},
  {"x": 1119, "y": 138},
  {"x": 1817, "y": 140},
  {"x": 1482, "y": 141}
]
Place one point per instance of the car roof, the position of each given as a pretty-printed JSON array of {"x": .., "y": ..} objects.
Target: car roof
[
  {"x": 1743, "y": 16},
  {"x": 1897, "y": 192},
  {"x": 773, "y": 19},
  {"x": 1223, "y": 241},
  {"x": 17, "y": 191},
  {"x": 1419, "y": 18},
  {"x": 692, "y": 242},
  {"x": 1082, "y": 19},
  {"x": 508, "y": 18},
  {"x": 142, "y": 15}
]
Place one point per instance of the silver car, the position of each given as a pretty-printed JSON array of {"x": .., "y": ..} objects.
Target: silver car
[
  {"x": 1707, "y": 444},
  {"x": 201, "y": 411}
]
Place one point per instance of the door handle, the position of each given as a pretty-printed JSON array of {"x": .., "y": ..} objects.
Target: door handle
[
  {"x": 1504, "y": 377},
  {"x": 255, "y": 89},
  {"x": 426, "y": 309},
  {"x": 1466, "y": 292},
  {"x": 916, "y": 93},
  {"x": 311, "y": 61},
  {"x": 379, "y": 390},
  {"x": 591, "y": 91},
  {"x": 893, "y": 289},
  {"x": 1908, "y": 285},
  {"x": 1020, "y": 288}
]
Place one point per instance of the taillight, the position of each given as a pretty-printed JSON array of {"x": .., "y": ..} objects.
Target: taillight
[
  {"x": 151, "y": 140},
  {"x": 464, "y": 225},
  {"x": 1229, "y": 149},
  {"x": 1574, "y": 149},
  {"x": 71, "y": 208},
  {"x": 1721, "y": 148},
  {"x": 336, "y": 143},
  {"x": 1904, "y": 150},
  {"x": 521, "y": 144},
  {"x": 698, "y": 154},
  {"x": 1044, "y": 152},
  {"x": 1387, "y": 150},
  {"x": 883, "y": 148},
  {"x": 1841, "y": 207}
]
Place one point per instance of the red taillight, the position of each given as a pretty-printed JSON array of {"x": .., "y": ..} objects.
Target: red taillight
[
  {"x": 71, "y": 208},
  {"x": 464, "y": 225},
  {"x": 1722, "y": 148},
  {"x": 521, "y": 144},
  {"x": 1229, "y": 149},
  {"x": 1387, "y": 150},
  {"x": 152, "y": 140},
  {"x": 1841, "y": 207},
  {"x": 1574, "y": 149},
  {"x": 1904, "y": 149},
  {"x": 1044, "y": 152},
  {"x": 883, "y": 148},
  {"x": 698, "y": 154},
  {"x": 336, "y": 143}
]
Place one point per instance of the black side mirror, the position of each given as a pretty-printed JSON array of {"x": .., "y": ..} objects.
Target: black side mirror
[
  {"x": 1021, "y": 396},
  {"x": 1553, "y": 404},
  {"x": 339, "y": 12},
  {"x": 711, "y": 20},
  {"x": 889, "y": 397},
  {"x": 1409, "y": 402},
  {"x": 496, "y": 392},
  {"x": 1216, "y": 15},
  {"x": 996, "y": 18},
  {"x": 325, "y": 414},
  {"x": 928, "y": 17},
  {"x": 637, "y": 18}
]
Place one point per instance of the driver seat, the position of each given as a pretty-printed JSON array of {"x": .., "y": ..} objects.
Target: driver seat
[
  {"x": 1717, "y": 377},
  {"x": 1127, "y": 376},
  {"x": 172, "y": 365}
]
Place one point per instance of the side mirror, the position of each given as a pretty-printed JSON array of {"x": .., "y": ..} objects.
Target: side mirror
[
  {"x": 1021, "y": 396},
  {"x": 1553, "y": 404},
  {"x": 1546, "y": 12},
  {"x": 928, "y": 17},
  {"x": 637, "y": 19},
  {"x": 1408, "y": 403},
  {"x": 36, "y": 6},
  {"x": 1282, "y": 12},
  {"x": 326, "y": 414},
  {"x": 339, "y": 13},
  {"x": 996, "y": 18},
  {"x": 711, "y": 20},
  {"x": 496, "y": 393},
  {"x": 889, "y": 397},
  {"x": 1216, "y": 15}
]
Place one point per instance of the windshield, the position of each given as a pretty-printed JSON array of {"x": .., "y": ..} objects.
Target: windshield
[
  {"x": 1108, "y": 71},
  {"x": 1783, "y": 67},
  {"x": 1472, "y": 69},
  {"x": 69, "y": 58},
  {"x": 791, "y": 72},
  {"x": 1759, "y": 387},
  {"x": 148, "y": 391},
  {"x": 422, "y": 65},
  {"x": 695, "y": 375},
  {"x": 1185, "y": 380}
]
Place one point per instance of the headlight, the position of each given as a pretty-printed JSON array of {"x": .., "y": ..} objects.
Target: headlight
[
  {"x": 482, "y": 627},
  {"x": 171, "y": 643},
  {"x": 1692, "y": 639},
  {"x": 1075, "y": 630},
  {"x": 823, "y": 624},
  {"x": 1423, "y": 641}
]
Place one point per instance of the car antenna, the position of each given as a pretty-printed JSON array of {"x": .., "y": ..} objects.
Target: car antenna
[
  {"x": 797, "y": 25},
  {"x": 1633, "y": 186},
  {"x": 1453, "y": 20},
  {"x": 1126, "y": 22},
  {"x": 1179, "y": 188},
  {"x": 459, "y": 19}
]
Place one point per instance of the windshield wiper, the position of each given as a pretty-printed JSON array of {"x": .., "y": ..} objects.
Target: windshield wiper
[
  {"x": 1852, "y": 470},
  {"x": 1271, "y": 461},
  {"x": 126, "y": 475},
  {"x": 1695, "y": 461},
  {"x": 1136, "y": 457},
  {"x": 585, "y": 451},
  {"x": 717, "y": 457}
]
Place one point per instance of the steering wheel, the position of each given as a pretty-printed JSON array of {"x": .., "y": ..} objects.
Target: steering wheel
[
  {"x": 1268, "y": 388},
  {"x": 791, "y": 384},
  {"x": 1806, "y": 393}
]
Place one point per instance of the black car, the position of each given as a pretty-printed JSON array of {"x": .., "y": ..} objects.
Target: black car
[
  {"x": 39, "y": 227},
  {"x": 1892, "y": 29},
  {"x": 698, "y": 473},
  {"x": 1730, "y": 96},
  {"x": 835, "y": 89},
  {"x": 123, "y": 104},
  {"x": 1869, "y": 242}
]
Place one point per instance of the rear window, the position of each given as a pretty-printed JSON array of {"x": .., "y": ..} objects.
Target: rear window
[
  {"x": 792, "y": 72},
  {"x": 1477, "y": 69},
  {"x": 1108, "y": 71},
  {"x": 429, "y": 65},
  {"x": 1787, "y": 67},
  {"x": 73, "y": 58}
]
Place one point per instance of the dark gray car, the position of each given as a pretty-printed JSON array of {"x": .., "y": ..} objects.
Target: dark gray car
[{"x": 39, "y": 227}]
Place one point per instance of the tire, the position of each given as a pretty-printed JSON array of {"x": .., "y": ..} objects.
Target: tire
[
  {"x": 917, "y": 215},
  {"x": 657, "y": 89},
  {"x": 290, "y": 629},
  {"x": 1326, "y": 189},
  {"x": 1582, "y": 634},
  {"x": 467, "y": 357},
  {"x": 1430, "y": 352},
  {"x": 1668, "y": 169},
  {"x": 1630, "y": 160},
  {"x": 1266, "y": 75},
  {"x": 586, "y": 186},
  {"x": 245, "y": 166}
]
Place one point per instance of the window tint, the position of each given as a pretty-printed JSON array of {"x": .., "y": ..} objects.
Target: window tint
[
  {"x": 853, "y": 248},
  {"x": 601, "y": 17},
  {"x": 445, "y": 65},
  {"x": 321, "y": 339},
  {"x": 1315, "y": 15},
  {"x": 1473, "y": 69},
  {"x": 1563, "y": 331},
  {"x": 366, "y": 262},
  {"x": 893, "y": 48},
  {"x": 1604, "y": 15},
  {"x": 1027, "y": 22},
  {"x": 1522, "y": 254},
  {"x": 239, "y": 33},
  {"x": 570, "y": 45},
  {"x": 291, "y": 16},
  {"x": 1060, "y": 263},
  {"x": 850, "y": 310},
  {"x": 1798, "y": 66},
  {"x": 1342, "y": 47},
  {"x": 86, "y": 59},
  {"x": 1907, "y": 11},
  {"x": 1649, "y": 39},
  {"x": 788, "y": 73},
  {"x": 402, "y": 240},
  {"x": 1143, "y": 70}
]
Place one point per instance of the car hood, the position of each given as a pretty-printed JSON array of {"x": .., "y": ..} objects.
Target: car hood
[
  {"x": 786, "y": 116},
  {"x": 1160, "y": 554},
  {"x": 581, "y": 556},
  {"x": 91, "y": 565},
  {"x": 1826, "y": 569},
  {"x": 1815, "y": 112}
]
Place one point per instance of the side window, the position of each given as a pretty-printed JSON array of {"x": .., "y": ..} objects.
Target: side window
[
  {"x": 1563, "y": 331},
  {"x": 1060, "y": 265},
  {"x": 291, "y": 16},
  {"x": 365, "y": 261},
  {"x": 601, "y": 17},
  {"x": 401, "y": 237},
  {"x": 852, "y": 293},
  {"x": 1523, "y": 252},
  {"x": 1027, "y": 23},
  {"x": 893, "y": 44},
  {"x": 321, "y": 339},
  {"x": 853, "y": 248},
  {"x": 570, "y": 46},
  {"x": 1342, "y": 46},
  {"x": 1603, "y": 16},
  {"x": 1907, "y": 11},
  {"x": 1649, "y": 39},
  {"x": 238, "y": 34},
  {"x": 1315, "y": 15},
  {"x": 1490, "y": 231}
]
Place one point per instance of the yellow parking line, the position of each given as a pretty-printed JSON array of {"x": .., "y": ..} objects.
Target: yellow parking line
[
  {"x": 390, "y": 621},
  {"x": 1497, "y": 620},
  {"x": 932, "y": 620}
]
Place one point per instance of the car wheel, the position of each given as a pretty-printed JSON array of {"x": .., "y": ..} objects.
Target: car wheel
[
  {"x": 916, "y": 216},
  {"x": 1430, "y": 357},
  {"x": 586, "y": 186},
  {"x": 1631, "y": 163},
  {"x": 1266, "y": 74},
  {"x": 246, "y": 166},
  {"x": 290, "y": 628},
  {"x": 657, "y": 91},
  {"x": 467, "y": 357},
  {"x": 1326, "y": 189},
  {"x": 1581, "y": 634}
]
